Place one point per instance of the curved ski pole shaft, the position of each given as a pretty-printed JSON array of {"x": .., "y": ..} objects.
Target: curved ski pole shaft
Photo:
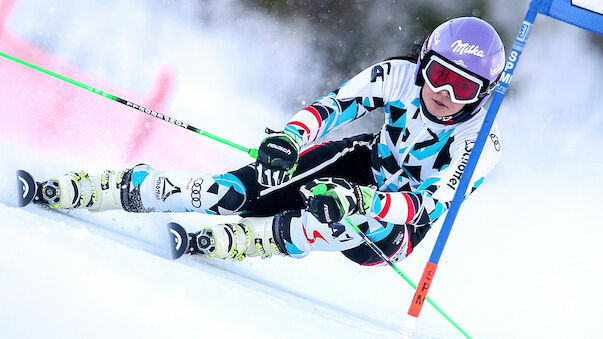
[
  {"x": 251, "y": 151},
  {"x": 382, "y": 255}
]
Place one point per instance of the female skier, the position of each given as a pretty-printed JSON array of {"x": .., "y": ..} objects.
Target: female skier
[{"x": 393, "y": 184}]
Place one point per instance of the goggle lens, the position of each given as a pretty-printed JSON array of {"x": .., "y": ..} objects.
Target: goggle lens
[{"x": 439, "y": 75}]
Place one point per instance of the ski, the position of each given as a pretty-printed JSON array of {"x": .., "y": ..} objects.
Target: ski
[
  {"x": 179, "y": 242},
  {"x": 29, "y": 190},
  {"x": 26, "y": 188}
]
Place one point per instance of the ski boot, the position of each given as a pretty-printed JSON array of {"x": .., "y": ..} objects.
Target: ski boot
[
  {"x": 250, "y": 237},
  {"x": 79, "y": 190}
]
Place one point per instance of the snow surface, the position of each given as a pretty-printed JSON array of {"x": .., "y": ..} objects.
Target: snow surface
[{"x": 523, "y": 260}]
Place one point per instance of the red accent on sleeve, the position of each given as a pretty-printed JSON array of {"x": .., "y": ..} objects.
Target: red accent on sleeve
[
  {"x": 316, "y": 114},
  {"x": 411, "y": 208},
  {"x": 385, "y": 208},
  {"x": 303, "y": 126}
]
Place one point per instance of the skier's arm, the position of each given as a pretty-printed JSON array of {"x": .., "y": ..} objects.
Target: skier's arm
[
  {"x": 278, "y": 153},
  {"x": 363, "y": 93}
]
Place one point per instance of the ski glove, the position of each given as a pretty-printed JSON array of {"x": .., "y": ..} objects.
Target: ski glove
[
  {"x": 277, "y": 158},
  {"x": 332, "y": 199}
]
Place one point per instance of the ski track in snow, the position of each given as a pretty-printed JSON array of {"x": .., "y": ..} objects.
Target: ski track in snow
[
  {"x": 80, "y": 235},
  {"x": 522, "y": 260},
  {"x": 84, "y": 227}
]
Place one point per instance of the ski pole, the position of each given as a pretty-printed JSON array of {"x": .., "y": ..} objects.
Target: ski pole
[
  {"x": 253, "y": 152},
  {"x": 380, "y": 253}
]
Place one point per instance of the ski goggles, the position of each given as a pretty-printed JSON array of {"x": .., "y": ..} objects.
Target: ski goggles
[{"x": 464, "y": 88}]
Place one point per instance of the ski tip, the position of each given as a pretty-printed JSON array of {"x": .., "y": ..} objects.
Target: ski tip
[
  {"x": 178, "y": 240},
  {"x": 26, "y": 188}
]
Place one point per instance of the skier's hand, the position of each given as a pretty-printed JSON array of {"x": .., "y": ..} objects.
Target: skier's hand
[
  {"x": 332, "y": 199},
  {"x": 277, "y": 158}
]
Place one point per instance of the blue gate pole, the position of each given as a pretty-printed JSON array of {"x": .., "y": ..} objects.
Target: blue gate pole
[{"x": 459, "y": 196}]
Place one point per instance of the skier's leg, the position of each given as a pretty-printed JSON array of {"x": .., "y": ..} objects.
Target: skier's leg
[
  {"x": 349, "y": 158},
  {"x": 291, "y": 233},
  {"x": 258, "y": 235},
  {"x": 143, "y": 189},
  {"x": 300, "y": 233}
]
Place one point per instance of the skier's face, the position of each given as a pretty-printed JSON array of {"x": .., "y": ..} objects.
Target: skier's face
[{"x": 439, "y": 103}]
